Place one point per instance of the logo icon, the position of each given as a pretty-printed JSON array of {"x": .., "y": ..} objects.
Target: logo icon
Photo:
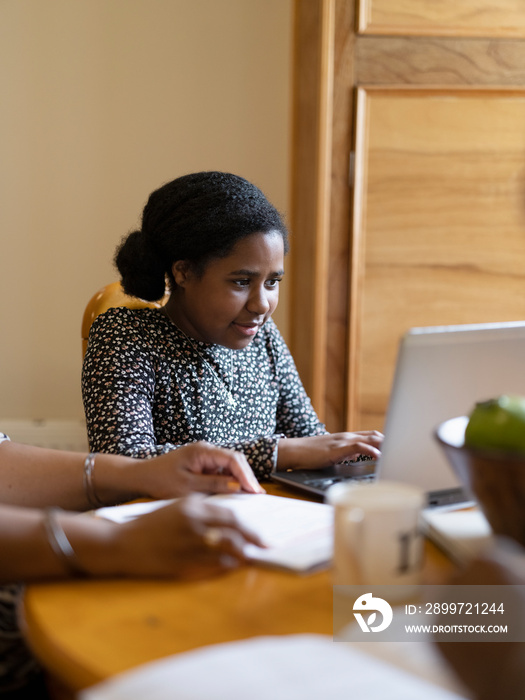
[{"x": 368, "y": 604}]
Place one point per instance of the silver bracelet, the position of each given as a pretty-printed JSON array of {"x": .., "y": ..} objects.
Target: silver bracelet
[
  {"x": 60, "y": 544},
  {"x": 89, "y": 489}
]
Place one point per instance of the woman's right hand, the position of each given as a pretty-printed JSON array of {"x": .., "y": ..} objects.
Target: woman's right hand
[
  {"x": 189, "y": 539},
  {"x": 326, "y": 450},
  {"x": 197, "y": 466}
]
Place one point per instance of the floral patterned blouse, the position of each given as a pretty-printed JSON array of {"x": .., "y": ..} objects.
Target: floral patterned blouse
[{"x": 148, "y": 389}]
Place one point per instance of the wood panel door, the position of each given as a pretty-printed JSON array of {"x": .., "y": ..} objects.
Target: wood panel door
[
  {"x": 426, "y": 225},
  {"x": 439, "y": 223}
]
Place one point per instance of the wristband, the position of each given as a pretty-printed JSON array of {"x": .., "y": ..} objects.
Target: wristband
[
  {"x": 60, "y": 544},
  {"x": 89, "y": 489}
]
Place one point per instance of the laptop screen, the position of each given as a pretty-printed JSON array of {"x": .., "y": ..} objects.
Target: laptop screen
[{"x": 441, "y": 373}]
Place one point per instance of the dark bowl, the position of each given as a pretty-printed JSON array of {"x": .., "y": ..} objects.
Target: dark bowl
[{"x": 495, "y": 478}]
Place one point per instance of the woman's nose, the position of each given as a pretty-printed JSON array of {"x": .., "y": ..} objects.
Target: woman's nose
[{"x": 259, "y": 302}]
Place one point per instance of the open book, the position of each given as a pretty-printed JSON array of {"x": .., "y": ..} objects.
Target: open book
[
  {"x": 295, "y": 667},
  {"x": 298, "y": 534}
]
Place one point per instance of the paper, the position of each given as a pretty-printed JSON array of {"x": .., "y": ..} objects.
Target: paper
[
  {"x": 421, "y": 659},
  {"x": 460, "y": 533},
  {"x": 294, "y": 667},
  {"x": 130, "y": 511},
  {"x": 298, "y": 533}
]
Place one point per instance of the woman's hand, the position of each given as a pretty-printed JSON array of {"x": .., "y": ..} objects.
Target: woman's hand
[
  {"x": 320, "y": 451},
  {"x": 188, "y": 539},
  {"x": 198, "y": 466}
]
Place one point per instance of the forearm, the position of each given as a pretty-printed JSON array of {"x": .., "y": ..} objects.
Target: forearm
[
  {"x": 37, "y": 477},
  {"x": 38, "y": 546},
  {"x": 27, "y": 553},
  {"x": 292, "y": 453}
]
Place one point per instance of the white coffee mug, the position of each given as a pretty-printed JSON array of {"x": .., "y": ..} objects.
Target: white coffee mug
[{"x": 377, "y": 539}]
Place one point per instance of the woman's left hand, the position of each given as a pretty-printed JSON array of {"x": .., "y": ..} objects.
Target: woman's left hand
[
  {"x": 325, "y": 450},
  {"x": 188, "y": 539},
  {"x": 204, "y": 539}
]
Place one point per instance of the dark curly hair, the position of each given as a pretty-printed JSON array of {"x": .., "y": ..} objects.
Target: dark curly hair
[{"x": 197, "y": 217}]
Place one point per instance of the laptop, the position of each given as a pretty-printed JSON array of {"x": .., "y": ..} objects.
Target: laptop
[
  {"x": 317, "y": 481},
  {"x": 441, "y": 372}
]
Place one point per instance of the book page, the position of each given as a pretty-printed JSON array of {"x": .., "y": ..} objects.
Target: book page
[{"x": 298, "y": 534}]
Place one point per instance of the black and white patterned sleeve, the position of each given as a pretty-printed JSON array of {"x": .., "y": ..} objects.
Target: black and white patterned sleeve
[
  {"x": 296, "y": 416},
  {"x": 118, "y": 386},
  {"x": 261, "y": 454}
]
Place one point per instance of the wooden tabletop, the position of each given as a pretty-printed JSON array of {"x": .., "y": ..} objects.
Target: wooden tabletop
[{"x": 86, "y": 631}]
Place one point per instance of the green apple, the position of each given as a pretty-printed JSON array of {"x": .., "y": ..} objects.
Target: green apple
[{"x": 498, "y": 424}]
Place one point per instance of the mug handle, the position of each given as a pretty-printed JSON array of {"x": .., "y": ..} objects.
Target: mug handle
[{"x": 353, "y": 538}]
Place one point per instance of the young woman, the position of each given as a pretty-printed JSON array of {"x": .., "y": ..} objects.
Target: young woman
[
  {"x": 210, "y": 365},
  {"x": 39, "y": 541}
]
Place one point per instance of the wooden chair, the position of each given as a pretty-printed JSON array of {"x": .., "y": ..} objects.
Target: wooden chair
[{"x": 110, "y": 296}]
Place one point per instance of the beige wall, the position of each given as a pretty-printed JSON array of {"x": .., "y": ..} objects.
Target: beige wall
[{"x": 101, "y": 102}]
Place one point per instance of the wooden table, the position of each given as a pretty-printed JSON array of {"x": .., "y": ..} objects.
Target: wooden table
[{"x": 86, "y": 631}]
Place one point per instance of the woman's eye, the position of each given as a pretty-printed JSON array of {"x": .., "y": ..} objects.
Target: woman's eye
[
  {"x": 241, "y": 283},
  {"x": 273, "y": 283}
]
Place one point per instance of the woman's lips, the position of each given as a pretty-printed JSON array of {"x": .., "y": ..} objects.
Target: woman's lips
[{"x": 247, "y": 329}]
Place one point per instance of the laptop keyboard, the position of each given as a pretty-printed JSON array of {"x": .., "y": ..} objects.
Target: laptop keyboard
[
  {"x": 319, "y": 480},
  {"x": 325, "y": 482}
]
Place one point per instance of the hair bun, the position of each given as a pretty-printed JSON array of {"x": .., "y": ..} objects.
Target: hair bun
[{"x": 141, "y": 269}]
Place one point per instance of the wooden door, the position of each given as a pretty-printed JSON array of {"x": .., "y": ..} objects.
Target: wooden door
[{"x": 426, "y": 225}]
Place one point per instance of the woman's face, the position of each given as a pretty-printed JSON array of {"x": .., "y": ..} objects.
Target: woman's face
[{"x": 235, "y": 296}]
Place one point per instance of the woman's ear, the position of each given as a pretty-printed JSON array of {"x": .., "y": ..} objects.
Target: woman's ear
[{"x": 181, "y": 271}]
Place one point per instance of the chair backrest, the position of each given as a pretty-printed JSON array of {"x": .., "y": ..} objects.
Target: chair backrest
[{"x": 108, "y": 297}]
